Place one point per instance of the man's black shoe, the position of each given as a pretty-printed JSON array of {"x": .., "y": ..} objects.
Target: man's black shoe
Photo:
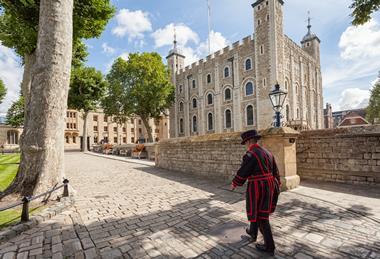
[
  {"x": 263, "y": 248},
  {"x": 254, "y": 237}
]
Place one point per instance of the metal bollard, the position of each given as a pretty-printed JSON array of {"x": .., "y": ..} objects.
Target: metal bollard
[
  {"x": 66, "y": 188},
  {"x": 25, "y": 209}
]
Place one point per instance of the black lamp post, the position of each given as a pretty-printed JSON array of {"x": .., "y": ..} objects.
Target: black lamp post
[{"x": 277, "y": 97}]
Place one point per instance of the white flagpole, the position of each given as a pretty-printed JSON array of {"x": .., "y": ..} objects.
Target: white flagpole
[{"x": 209, "y": 25}]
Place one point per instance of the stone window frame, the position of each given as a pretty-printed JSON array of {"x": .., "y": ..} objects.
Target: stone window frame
[
  {"x": 209, "y": 78},
  {"x": 246, "y": 115},
  {"x": 286, "y": 84},
  {"x": 245, "y": 64},
  {"x": 194, "y": 126},
  {"x": 228, "y": 69},
  {"x": 181, "y": 106},
  {"x": 207, "y": 99},
  {"x": 13, "y": 137},
  {"x": 181, "y": 126},
  {"x": 262, "y": 50},
  {"x": 193, "y": 84},
  {"x": 208, "y": 121},
  {"x": 287, "y": 112},
  {"x": 180, "y": 89},
  {"x": 194, "y": 98},
  {"x": 245, "y": 88},
  {"x": 224, "y": 93},
  {"x": 225, "y": 118}
]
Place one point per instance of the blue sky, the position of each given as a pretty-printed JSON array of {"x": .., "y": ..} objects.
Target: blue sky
[{"x": 350, "y": 55}]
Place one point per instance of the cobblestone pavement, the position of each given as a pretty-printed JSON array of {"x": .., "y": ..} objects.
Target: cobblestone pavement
[{"x": 133, "y": 210}]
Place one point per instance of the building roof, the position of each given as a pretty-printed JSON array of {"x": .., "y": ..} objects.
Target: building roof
[
  {"x": 353, "y": 118},
  {"x": 310, "y": 35}
]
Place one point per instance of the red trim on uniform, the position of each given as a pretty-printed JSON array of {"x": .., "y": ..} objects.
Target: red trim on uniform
[
  {"x": 252, "y": 146},
  {"x": 241, "y": 177}
]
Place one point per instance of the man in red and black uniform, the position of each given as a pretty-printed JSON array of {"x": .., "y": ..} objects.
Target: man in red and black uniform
[{"x": 260, "y": 170}]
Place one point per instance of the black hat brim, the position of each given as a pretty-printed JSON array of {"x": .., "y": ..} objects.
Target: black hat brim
[{"x": 255, "y": 137}]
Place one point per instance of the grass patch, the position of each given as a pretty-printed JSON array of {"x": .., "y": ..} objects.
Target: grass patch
[
  {"x": 13, "y": 216},
  {"x": 8, "y": 169}
]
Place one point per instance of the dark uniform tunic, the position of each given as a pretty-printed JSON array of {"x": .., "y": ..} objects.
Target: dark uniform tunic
[{"x": 260, "y": 170}]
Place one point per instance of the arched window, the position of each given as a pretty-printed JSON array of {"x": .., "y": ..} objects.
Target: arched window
[
  {"x": 180, "y": 89},
  {"x": 227, "y": 94},
  {"x": 210, "y": 121},
  {"x": 195, "y": 127},
  {"x": 228, "y": 119},
  {"x": 287, "y": 112},
  {"x": 12, "y": 137},
  {"x": 298, "y": 113},
  {"x": 181, "y": 126},
  {"x": 194, "y": 83},
  {"x": 249, "y": 115},
  {"x": 286, "y": 85},
  {"x": 248, "y": 64},
  {"x": 226, "y": 72},
  {"x": 296, "y": 88},
  {"x": 181, "y": 106},
  {"x": 209, "y": 99},
  {"x": 194, "y": 103},
  {"x": 208, "y": 78},
  {"x": 249, "y": 89}
]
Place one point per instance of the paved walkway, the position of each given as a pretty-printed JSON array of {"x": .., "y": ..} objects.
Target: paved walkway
[{"x": 132, "y": 210}]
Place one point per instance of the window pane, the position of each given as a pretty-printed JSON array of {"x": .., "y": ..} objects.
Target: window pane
[
  {"x": 228, "y": 119},
  {"x": 209, "y": 99},
  {"x": 249, "y": 89},
  {"x": 227, "y": 94},
  {"x": 226, "y": 72},
  {"x": 250, "y": 115},
  {"x": 210, "y": 122},
  {"x": 248, "y": 64}
]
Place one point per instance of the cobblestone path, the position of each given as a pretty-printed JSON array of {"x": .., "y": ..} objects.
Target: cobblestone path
[{"x": 131, "y": 210}]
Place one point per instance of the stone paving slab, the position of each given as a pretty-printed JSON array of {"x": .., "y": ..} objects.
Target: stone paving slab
[{"x": 129, "y": 210}]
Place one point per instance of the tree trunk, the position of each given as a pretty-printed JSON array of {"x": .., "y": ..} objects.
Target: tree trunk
[
  {"x": 85, "y": 115},
  {"x": 148, "y": 129},
  {"x": 42, "y": 147}
]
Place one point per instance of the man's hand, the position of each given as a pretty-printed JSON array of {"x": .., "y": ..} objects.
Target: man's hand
[{"x": 233, "y": 187}]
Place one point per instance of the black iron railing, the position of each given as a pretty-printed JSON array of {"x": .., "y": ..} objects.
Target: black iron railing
[{"x": 27, "y": 199}]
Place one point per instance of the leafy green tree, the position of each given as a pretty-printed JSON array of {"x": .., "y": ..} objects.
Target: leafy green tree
[
  {"x": 139, "y": 87},
  {"x": 362, "y": 10},
  {"x": 15, "y": 114},
  {"x": 3, "y": 91},
  {"x": 87, "y": 88},
  {"x": 373, "y": 110}
]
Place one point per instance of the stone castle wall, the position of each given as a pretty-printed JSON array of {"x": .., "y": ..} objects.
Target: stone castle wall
[
  {"x": 216, "y": 156},
  {"x": 350, "y": 155}
]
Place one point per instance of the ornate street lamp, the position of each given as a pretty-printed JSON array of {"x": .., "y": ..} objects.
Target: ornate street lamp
[{"x": 277, "y": 97}]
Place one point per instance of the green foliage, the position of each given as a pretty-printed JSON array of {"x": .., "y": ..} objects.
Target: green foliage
[
  {"x": 15, "y": 114},
  {"x": 373, "y": 110},
  {"x": 139, "y": 86},
  {"x": 87, "y": 87},
  {"x": 362, "y": 10},
  {"x": 3, "y": 91},
  {"x": 19, "y": 22}
]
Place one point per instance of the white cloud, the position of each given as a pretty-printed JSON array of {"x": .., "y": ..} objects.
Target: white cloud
[
  {"x": 11, "y": 73},
  {"x": 107, "y": 49},
  {"x": 353, "y": 98},
  {"x": 218, "y": 41},
  {"x": 124, "y": 55},
  {"x": 165, "y": 36},
  {"x": 361, "y": 42},
  {"x": 132, "y": 23}
]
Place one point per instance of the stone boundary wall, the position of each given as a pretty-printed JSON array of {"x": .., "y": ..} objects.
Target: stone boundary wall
[
  {"x": 216, "y": 156},
  {"x": 347, "y": 155}
]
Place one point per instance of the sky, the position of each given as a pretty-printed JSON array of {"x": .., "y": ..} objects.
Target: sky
[{"x": 350, "y": 56}]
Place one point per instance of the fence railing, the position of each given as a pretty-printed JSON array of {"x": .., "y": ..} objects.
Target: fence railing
[{"x": 27, "y": 199}]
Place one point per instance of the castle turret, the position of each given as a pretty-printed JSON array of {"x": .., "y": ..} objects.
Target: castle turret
[
  {"x": 311, "y": 43},
  {"x": 176, "y": 62},
  {"x": 175, "y": 59},
  {"x": 269, "y": 54}
]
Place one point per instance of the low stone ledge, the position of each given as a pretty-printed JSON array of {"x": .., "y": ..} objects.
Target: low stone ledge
[{"x": 12, "y": 231}]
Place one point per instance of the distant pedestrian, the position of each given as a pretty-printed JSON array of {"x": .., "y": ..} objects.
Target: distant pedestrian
[
  {"x": 2, "y": 149},
  {"x": 260, "y": 169}
]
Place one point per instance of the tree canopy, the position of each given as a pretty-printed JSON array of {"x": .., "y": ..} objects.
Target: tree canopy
[
  {"x": 87, "y": 87},
  {"x": 19, "y": 22},
  {"x": 362, "y": 10},
  {"x": 373, "y": 110},
  {"x": 3, "y": 91},
  {"x": 15, "y": 114},
  {"x": 139, "y": 86}
]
